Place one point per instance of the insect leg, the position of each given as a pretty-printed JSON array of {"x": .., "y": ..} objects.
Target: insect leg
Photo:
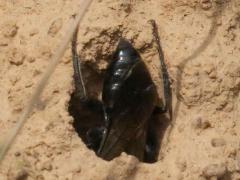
[
  {"x": 151, "y": 147},
  {"x": 87, "y": 112},
  {"x": 165, "y": 76},
  {"x": 94, "y": 137},
  {"x": 78, "y": 79}
]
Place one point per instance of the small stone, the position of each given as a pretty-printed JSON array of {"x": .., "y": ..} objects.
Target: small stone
[
  {"x": 182, "y": 165},
  {"x": 70, "y": 129},
  {"x": 29, "y": 84},
  {"x": 49, "y": 154},
  {"x": 47, "y": 166},
  {"x": 218, "y": 170},
  {"x": 217, "y": 142},
  {"x": 206, "y": 4},
  {"x": 28, "y": 152},
  {"x": 17, "y": 153},
  {"x": 199, "y": 123},
  {"x": 46, "y": 51},
  {"x": 55, "y": 27},
  {"x": 231, "y": 152},
  {"x": 66, "y": 60},
  {"x": 40, "y": 177},
  {"x": 16, "y": 57},
  {"x": 33, "y": 32},
  {"x": 213, "y": 75},
  {"x": 205, "y": 125},
  {"x": 4, "y": 42},
  {"x": 181, "y": 128},
  {"x": 10, "y": 29},
  {"x": 36, "y": 72},
  {"x": 59, "y": 151},
  {"x": 31, "y": 59},
  {"x": 79, "y": 169},
  {"x": 210, "y": 69},
  {"x": 21, "y": 174},
  {"x": 35, "y": 154},
  {"x": 71, "y": 121},
  {"x": 14, "y": 79}
]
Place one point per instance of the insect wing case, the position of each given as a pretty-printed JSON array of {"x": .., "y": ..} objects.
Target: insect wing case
[{"x": 129, "y": 97}]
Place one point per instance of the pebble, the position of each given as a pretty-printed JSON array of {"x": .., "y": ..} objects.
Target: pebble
[
  {"x": 10, "y": 29},
  {"x": 55, "y": 27},
  {"x": 205, "y": 125},
  {"x": 199, "y": 123},
  {"x": 31, "y": 59},
  {"x": 217, "y": 142},
  {"x": 181, "y": 128},
  {"x": 182, "y": 165},
  {"x": 196, "y": 123},
  {"x": 79, "y": 169},
  {"x": 36, "y": 72},
  {"x": 47, "y": 166},
  {"x": 218, "y": 170},
  {"x": 33, "y": 32},
  {"x": 14, "y": 79},
  {"x": 206, "y": 4},
  {"x": 16, "y": 57},
  {"x": 17, "y": 154},
  {"x": 21, "y": 174},
  {"x": 49, "y": 154},
  {"x": 40, "y": 177},
  {"x": 4, "y": 42},
  {"x": 29, "y": 84}
]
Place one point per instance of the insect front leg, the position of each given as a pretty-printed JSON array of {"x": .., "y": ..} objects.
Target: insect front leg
[
  {"x": 80, "y": 89},
  {"x": 153, "y": 133},
  {"x": 164, "y": 73},
  {"x": 87, "y": 112}
]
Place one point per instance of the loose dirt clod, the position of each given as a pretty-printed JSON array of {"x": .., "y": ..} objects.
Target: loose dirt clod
[{"x": 217, "y": 170}]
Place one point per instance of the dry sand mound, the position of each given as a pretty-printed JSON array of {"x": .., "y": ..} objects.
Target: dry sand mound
[{"x": 201, "y": 42}]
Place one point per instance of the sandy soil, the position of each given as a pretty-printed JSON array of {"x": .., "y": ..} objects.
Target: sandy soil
[{"x": 201, "y": 42}]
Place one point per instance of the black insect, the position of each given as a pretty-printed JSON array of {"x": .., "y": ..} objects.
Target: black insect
[{"x": 122, "y": 121}]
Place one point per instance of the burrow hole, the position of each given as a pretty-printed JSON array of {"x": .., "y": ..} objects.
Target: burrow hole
[{"x": 88, "y": 115}]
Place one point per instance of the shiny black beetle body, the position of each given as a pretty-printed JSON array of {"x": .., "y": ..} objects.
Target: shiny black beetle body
[
  {"x": 129, "y": 97},
  {"x": 121, "y": 122}
]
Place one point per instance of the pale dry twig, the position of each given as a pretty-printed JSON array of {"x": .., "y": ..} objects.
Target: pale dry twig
[{"x": 9, "y": 139}]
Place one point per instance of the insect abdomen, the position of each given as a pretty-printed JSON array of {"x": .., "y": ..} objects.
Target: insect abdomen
[{"x": 129, "y": 97}]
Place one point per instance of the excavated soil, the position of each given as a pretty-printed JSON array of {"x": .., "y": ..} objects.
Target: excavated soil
[{"x": 201, "y": 43}]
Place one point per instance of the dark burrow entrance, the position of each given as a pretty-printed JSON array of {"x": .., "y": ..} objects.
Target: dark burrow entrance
[{"x": 89, "y": 124}]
